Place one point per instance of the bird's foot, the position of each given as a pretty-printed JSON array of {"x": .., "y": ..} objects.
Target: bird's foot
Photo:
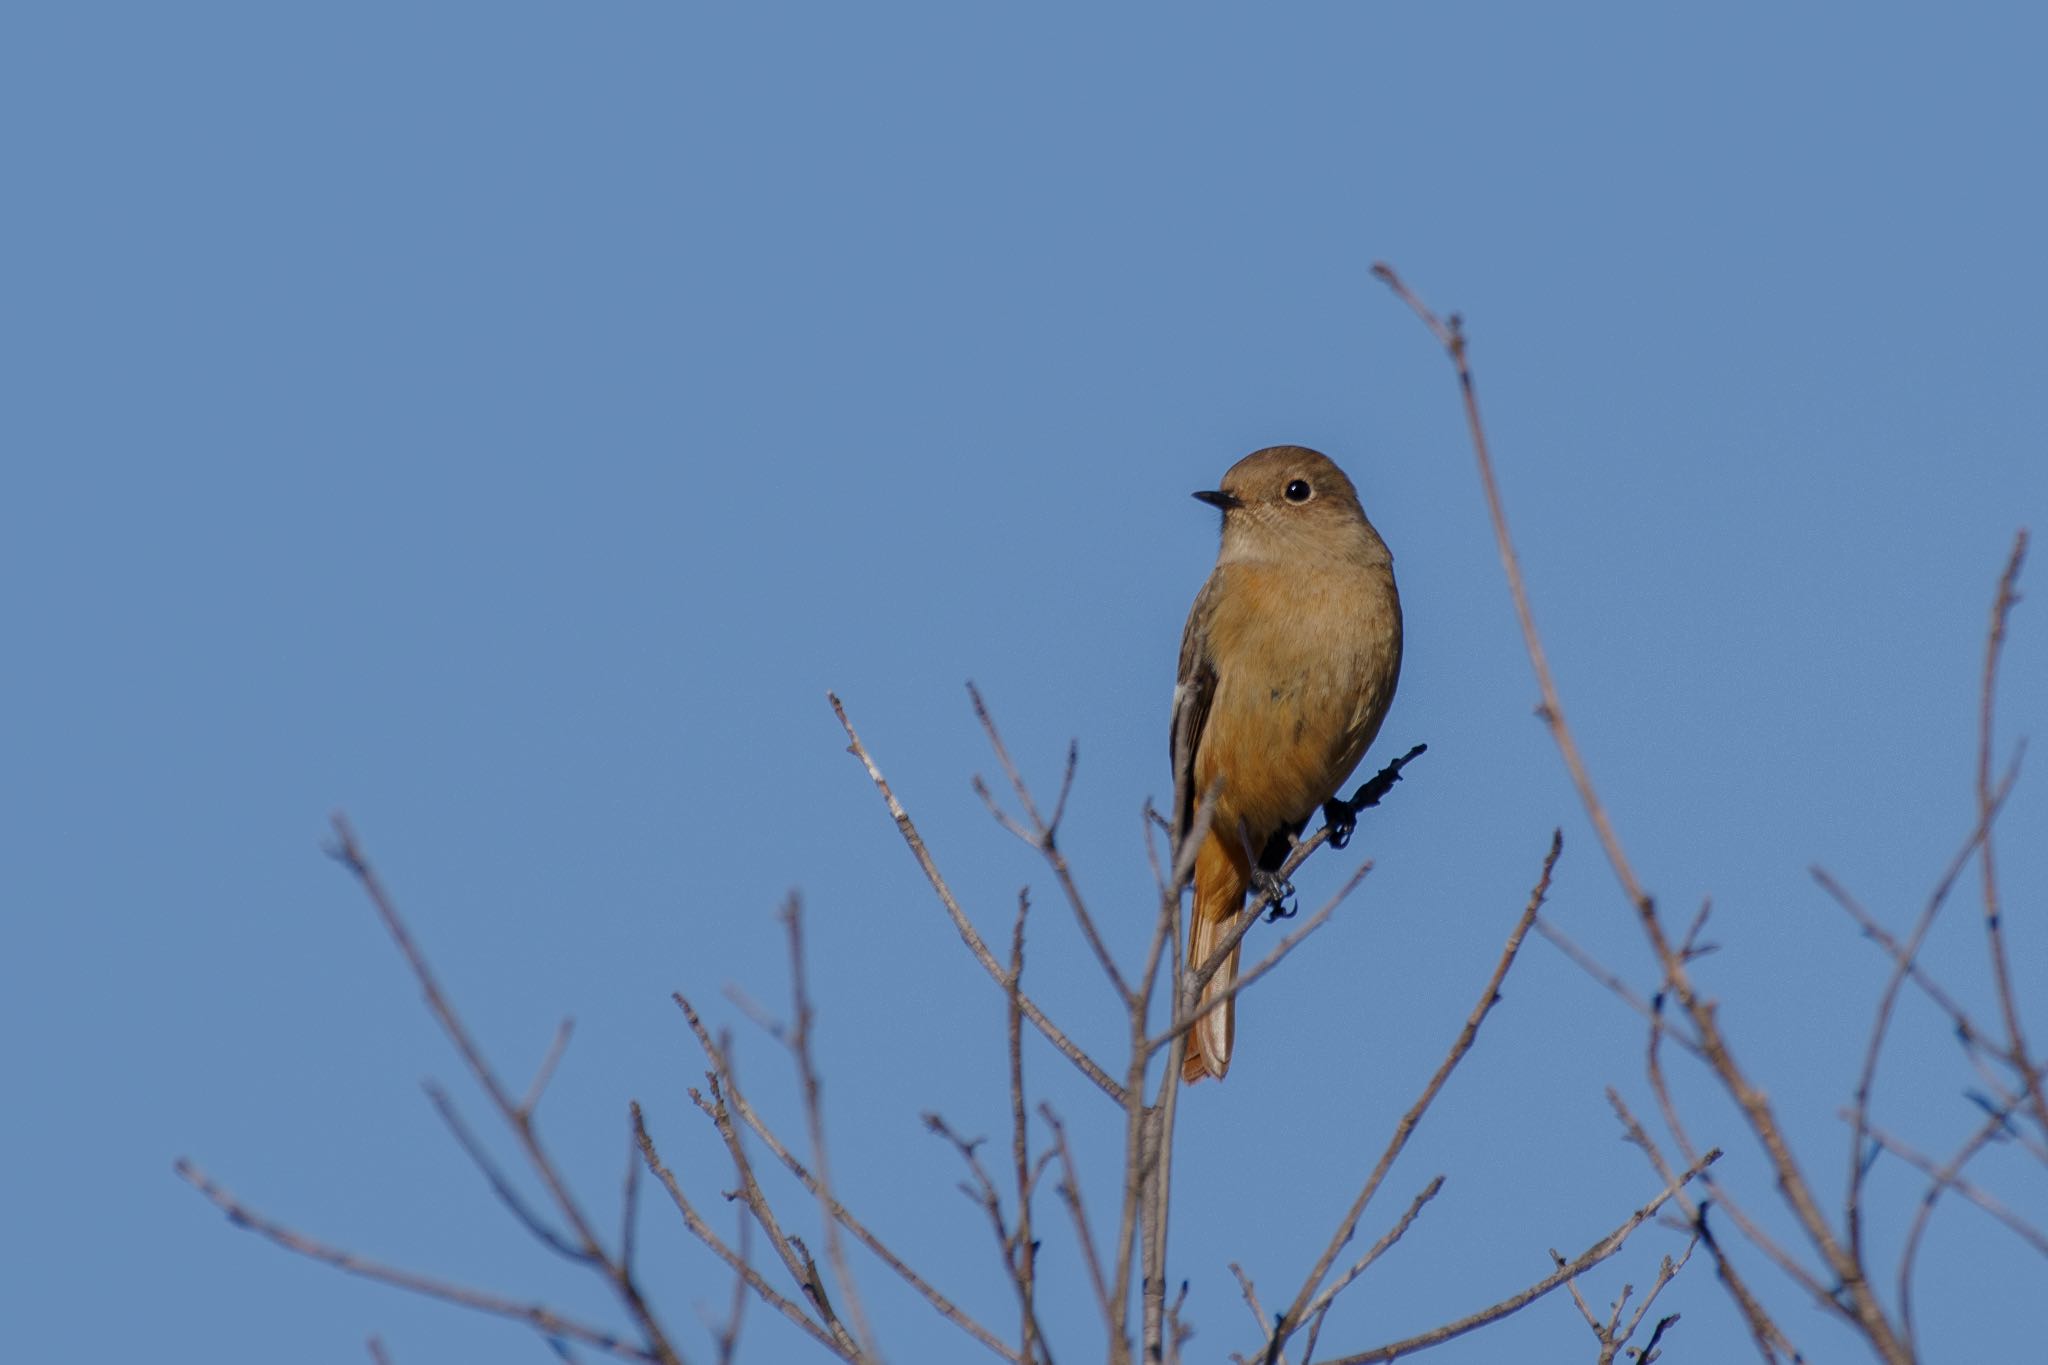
[
  {"x": 1275, "y": 894},
  {"x": 1377, "y": 786},
  {"x": 1340, "y": 818}
]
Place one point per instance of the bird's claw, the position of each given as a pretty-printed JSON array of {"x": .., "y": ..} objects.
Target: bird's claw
[{"x": 1275, "y": 893}]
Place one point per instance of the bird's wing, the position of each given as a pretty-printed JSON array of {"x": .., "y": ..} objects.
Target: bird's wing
[{"x": 1193, "y": 690}]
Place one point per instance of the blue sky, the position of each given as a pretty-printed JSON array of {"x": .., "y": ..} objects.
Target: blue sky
[{"x": 505, "y": 422}]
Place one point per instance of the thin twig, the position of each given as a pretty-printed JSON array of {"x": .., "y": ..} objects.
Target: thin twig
[
  {"x": 737, "y": 1098},
  {"x": 1043, "y": 835},
  {"x": 1024, "y": 1258},
  {"x": 1620, "y": 989},
  {"x": 726, "y": 1335},
  {"x": 1156, "y": 1154},
  {"x": 540, "y": 1318},
  {"x": 1994, "y": 929},
  {"x": 1603, "y": 1332},
  {"x": 741, "y": 1265},
  {"x": 1069, "y": 1191},
  {"x": 1763, "y": 1329},
  {"x": 1667, "y": 1271},
  {"x": 1664, "y": 1324},
  {"x": 1942, "y": 1178},
  {"x": 788, "y": 1249},
  {"x": 1905, "y": 963},
  {"x": 1320, "y": 1309},
  {"x": 1748, "y": 1225},
  {"x": 629, "y": 1202},
  {"x": 1857, "y": 1300},
  {"x": 501, "y": 1185},
  {"x": 984, "y": 1193},
  {"x": 1243, "y": 982},
  {"x": 516, "y": 1116},
  {"x": 1450, "y": 335},
  {"x": 1947, "y": 1175},
  {"x": 1271, "y": 1355},
  {"x": 814, "y": 1118},
  {"x": 969, "y": 935},
  {"x": 548, "y": 1062},
  {"x": 1295, "y": 1315},
  {"x": 1579, "y": 1265}
]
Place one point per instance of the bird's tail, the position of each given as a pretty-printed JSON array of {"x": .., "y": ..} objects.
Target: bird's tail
[{"x": 1219, "y": 894}]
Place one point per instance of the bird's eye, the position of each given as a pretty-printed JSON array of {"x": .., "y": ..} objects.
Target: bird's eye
[{"x": 1299, "y": 491}]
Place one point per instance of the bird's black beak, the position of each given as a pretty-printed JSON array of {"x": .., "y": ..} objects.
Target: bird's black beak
[{"x": 1216, "y": 497}]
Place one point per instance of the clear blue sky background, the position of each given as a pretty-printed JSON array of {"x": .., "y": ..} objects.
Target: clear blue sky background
[{"x": 505, "y": 422}]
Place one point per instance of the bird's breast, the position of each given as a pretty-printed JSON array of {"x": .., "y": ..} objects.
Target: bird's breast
[{"x": 1306, "y": 661}]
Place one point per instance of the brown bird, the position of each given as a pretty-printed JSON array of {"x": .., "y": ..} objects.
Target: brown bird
[{"x": 1287, "y": 667}]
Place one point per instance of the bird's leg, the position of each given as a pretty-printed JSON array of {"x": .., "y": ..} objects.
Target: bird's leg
[
  {"x": 1383, "y": 781},
  {"x": 1340, "y": 817}
]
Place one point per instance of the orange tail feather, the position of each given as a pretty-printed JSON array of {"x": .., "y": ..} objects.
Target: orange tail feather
[{"x": 1220, "y": 882}]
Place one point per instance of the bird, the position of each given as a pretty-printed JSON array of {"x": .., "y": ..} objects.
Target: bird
[{"x": 1287, "y": 667}]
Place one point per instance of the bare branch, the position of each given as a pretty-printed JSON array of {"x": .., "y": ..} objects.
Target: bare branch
[{"x": 740, "y": 1264}]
